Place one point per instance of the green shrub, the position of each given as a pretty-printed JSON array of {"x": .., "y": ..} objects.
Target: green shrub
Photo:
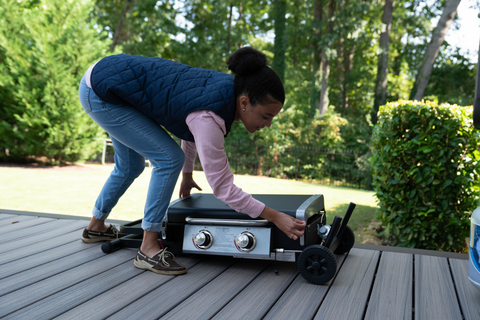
[
  {"x": 45, "y": 48},
  {"x": 425, "y": 173}
]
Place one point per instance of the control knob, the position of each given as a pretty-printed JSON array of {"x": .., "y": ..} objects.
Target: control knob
[
  {"x": 203, "y": 239},
  {"x": 246, "y": 241}
]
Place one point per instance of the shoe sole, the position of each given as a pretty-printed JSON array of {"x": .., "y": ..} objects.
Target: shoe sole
[
  {"x": 90, "y": 240},
  {"x": 146, "y": 266}
]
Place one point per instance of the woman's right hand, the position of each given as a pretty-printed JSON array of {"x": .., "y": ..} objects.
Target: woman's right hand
[
  {"x": 291, "y": 226},
  {"x": 187, "y": 184}
]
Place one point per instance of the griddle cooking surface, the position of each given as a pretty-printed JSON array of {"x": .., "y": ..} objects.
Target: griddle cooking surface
[{"x": 207, "y": 206}]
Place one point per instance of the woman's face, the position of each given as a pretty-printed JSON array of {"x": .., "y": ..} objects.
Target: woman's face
[{"x": 256, "y": 117}]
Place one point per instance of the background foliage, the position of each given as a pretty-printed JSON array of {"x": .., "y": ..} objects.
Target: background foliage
[
  {"x": 426, "y": 163},
  {"x": 47, "y": 45},
  {"x": 45, "y": 49}
]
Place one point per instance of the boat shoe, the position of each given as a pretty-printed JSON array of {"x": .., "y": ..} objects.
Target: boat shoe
[
  {"x": 162, "y": 262},
  {"x": 112, "y": 233}
]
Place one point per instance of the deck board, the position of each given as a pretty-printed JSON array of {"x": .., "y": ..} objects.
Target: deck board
[
  {"x": 163, "y": 299},
  {"x": 22, "y": 225},
  {"x": 260, "y": 294},
  {"x": 13, "y": 219},
  {"x": 37, "y": 291},
  {"x": 39, "y": 229},
  {"x": 468, "y": 295},
  {"x": 302, "y": 299},
  {"x": 30, "y": 248},
  {"x": 47, "y": 272},
  {"x": 434, "y": 291},
  {"x": 207, "y": 301},
  {"x": 6, "y": 216},
  {"x": 44, "y": 271},
  {"x": 391, "y": 296},
  {"x": 66, "y": 226},
  {"x": 347, "y": 299},
  {"x": 24, "y": 262},
  {"x": 102, "y": 306},
  {"x": 72, "y": 296}
]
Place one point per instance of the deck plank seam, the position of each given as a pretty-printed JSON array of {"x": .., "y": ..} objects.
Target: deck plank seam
[
  {"x": 35, "y": 225},
  {"x": 456, "y": 290},
  {"x": 241, "y": 290},
  {"x": 281, "y": 295},
  {"x": 1, "y": 263},
  {"x": 58, "y": 235},
  {"x": 234, "y": 262},
  {"x": 372, "y": 284},
  {"x": 100, "y": 293},
  {"x": 413, "y": 286},
  {"x": 339, "y": 268},
  {"x": 147, "y": 293},
  {"x": 50, "y": 261},
  {"x": 54, "y": 292}
]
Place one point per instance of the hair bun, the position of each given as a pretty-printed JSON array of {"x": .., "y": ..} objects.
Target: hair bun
[{"x": 246, "y": 61}]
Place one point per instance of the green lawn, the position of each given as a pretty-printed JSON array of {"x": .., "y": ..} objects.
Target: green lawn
[{"x": 73, "y": 191}]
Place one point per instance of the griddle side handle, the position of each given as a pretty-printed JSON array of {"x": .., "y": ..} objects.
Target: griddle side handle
[
  {"x": 345, "y": 220},
  {"x": 333, "y": 231},
  {"x": 302, "y": 214}
]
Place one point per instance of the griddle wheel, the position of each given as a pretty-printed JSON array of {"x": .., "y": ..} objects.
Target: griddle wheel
[
  {"x": 317, "y": 264},
  {"x": 111, "y": 246},
  {"x": 347, "y": 241}
]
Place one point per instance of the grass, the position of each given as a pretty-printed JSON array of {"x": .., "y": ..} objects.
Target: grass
[{"x": 72, "y": 190}]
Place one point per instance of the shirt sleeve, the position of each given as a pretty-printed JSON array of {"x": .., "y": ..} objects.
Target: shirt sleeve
[
  {"x": 208, "y": 130},
  {"x": 190, "y": 151}
]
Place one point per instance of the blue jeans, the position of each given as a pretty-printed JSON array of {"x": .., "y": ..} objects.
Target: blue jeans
[{"x": 134, "y": 137}]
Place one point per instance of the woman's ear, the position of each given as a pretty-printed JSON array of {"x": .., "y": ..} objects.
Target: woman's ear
[{"x": 244, "y": 102}]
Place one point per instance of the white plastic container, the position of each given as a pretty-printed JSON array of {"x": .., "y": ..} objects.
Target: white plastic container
[{"x": 474, "y": 249}]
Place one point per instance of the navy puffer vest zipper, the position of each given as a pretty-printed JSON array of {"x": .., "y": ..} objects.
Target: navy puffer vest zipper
[{"x": 164, "y": 90}]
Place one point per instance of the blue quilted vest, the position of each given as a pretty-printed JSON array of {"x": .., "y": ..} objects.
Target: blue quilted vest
[{"x": 164, "y": 90}]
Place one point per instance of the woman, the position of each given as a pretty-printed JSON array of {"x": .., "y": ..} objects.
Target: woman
[{"x": 131, "y": 97}]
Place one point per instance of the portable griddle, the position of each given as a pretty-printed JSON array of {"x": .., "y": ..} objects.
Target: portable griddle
[{"x": 202, "y": 224}]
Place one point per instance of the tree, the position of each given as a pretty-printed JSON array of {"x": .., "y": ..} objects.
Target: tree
[
  {"x": 213, "y": 29},
  {"x": 118, "y": 29},
  {"x": 453, "y": 79},
  {"x": 323, "y": 44},
  {"x": 279, "y": 45},
  {"x": 381, "y": 84},
  {"x": 47, "y": 47},
  {"x": 449, "y": 12},
  {"x": 138, "y": 27}
]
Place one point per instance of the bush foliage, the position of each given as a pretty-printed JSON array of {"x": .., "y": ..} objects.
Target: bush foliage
[{"x": 425, "y": 173}]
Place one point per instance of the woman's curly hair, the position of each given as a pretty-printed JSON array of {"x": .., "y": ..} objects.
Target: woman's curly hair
[{"x": 254, "y": 78}]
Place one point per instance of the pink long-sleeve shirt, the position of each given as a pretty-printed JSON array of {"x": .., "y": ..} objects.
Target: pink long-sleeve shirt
[{"x": 208, "y": 130}]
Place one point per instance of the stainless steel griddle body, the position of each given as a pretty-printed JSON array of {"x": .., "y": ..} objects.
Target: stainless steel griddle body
[
  {"x": 201, "y": 224},
  {"x": 203, "y": 213}
]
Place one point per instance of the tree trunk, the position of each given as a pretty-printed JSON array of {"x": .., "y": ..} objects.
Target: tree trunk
[
  {"x": 449, "y": 12},
  {"x": 316, "y": 53},
  {"x": 345, "y": 53},
  {"x": 279, "y": 45},
  {"x": 325, "y": 63},
  {"x": 296, "y": 37},
  {"x": 324, "y": 70},
  {"x": 239, "y": 22},
  {"x": 118, "y": 29},
  {"x": 229, "y": 38},
  {"x": 382, "y": 71},
  {"x": 348, "y": 54}
]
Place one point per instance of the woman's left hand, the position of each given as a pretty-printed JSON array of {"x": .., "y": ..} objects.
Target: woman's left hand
[{"x": 187, "y": 184}]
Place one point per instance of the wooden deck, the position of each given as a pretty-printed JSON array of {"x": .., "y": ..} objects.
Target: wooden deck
[{"x": 47, "y": 272}]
